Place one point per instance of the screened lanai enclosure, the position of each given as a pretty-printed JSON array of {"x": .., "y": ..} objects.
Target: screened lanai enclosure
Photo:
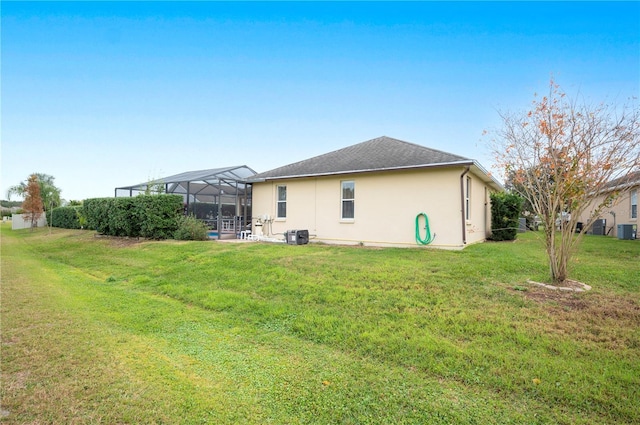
[{"x": 221, "y": 197}]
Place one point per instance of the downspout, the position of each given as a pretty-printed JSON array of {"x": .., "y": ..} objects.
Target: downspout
[{"x": 463, "y": 216}]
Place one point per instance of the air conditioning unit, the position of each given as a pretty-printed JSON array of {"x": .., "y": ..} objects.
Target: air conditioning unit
[
  {"x": 626, "y": 231},
  {"x": 297, "y": 237},
  {"x": 522, "y": 225},
  {"x": 599, "y": 227}
]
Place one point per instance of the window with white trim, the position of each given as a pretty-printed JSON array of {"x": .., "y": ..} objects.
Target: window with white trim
[
  {"x": 348, "y": 198},
  {"x": 634, "y": 203},
  {"x": 282, "y": 202}
]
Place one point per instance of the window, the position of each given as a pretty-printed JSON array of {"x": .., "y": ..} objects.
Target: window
[
  {"x": 467, "y": 199},
  {"x": 348, "y": 200},
  {"x": 634, "y": 203},
  {"x": 282, "y": 202}
]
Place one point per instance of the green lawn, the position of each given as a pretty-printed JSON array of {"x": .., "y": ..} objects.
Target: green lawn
[{"x": 98, "y": 330}]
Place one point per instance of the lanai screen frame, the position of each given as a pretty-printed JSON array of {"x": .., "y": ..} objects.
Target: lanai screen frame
[{"x": 202, "y": 185}]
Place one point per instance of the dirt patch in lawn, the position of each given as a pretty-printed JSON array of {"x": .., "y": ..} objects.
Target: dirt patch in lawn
[
  {"x": 120, "y": 242},
  {"x": 564, "y": 299},
  {"x": 596, "y": 305},
  {"x": 600, "y": 318}
]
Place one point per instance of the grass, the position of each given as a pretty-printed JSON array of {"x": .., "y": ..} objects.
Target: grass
[{"x": 99, "y": 330}]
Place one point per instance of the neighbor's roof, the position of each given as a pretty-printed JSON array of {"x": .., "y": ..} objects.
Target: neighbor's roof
[
  {"x": 630, "y": 180},
  {"x": 380, "y": 154}
]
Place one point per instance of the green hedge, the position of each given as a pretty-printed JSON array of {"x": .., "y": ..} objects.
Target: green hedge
[
  {"x": 159, "y": 215},
  {"x": 96, "y": 210},
  {"x": 66, "y": 217},
  {"x": 505, "y": 211},
  {"x": 148, "y": 216}
]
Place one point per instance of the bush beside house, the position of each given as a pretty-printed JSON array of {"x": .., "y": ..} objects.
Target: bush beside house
[
  {"x": 505, "y": 212},
  {"x": 191, "y": 229}
]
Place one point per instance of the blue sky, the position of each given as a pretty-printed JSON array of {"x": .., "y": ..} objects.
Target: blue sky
[{"x": 108, "y": 94}]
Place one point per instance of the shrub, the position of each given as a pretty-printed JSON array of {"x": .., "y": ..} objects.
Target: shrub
[
  {"x": 505, "y": 211},
  {"x": 125, "y": 218},
  {"x": 149, "y": 216},
  {"x": 96, "y": 210},
  {"x": 159, "y": 215},
  {"x": 66, "y": 217},
  {"x": 191, "y": 229}
]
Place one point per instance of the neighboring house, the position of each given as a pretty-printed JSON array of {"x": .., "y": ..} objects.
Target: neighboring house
[
  {"x": 7, "y": 211},
  {"x": 623, "y": 210},
  {"x": 370, "y": 193}
]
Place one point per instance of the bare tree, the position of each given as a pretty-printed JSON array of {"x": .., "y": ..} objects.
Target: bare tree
[
  {"x": 561, "y": 155},
  {"x": 32, "y": 204}
]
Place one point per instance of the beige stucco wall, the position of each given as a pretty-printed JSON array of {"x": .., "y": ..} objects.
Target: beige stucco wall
[
  {"x": 386, "y": 205},
  {"x": 622, "y": 209}
]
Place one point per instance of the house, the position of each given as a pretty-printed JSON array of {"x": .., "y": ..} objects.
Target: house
[
  {"x": 623, "y": 209},
  {"x": 382, "y": 192}
]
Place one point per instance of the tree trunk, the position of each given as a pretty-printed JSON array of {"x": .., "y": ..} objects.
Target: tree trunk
[
  {"x": 557, "y": 257},
  {"x": 559, "y": 269}
]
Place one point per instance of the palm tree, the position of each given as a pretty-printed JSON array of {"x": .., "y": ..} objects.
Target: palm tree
[{"x": 49, "y": 193}]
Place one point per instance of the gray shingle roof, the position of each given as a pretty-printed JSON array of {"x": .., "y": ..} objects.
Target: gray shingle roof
[
  {"x": 630, "y": 180},
  {"x": 382, "y": 153}
]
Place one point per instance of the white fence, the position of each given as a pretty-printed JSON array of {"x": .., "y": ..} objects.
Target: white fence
[{"x": 19, "y": 222}]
